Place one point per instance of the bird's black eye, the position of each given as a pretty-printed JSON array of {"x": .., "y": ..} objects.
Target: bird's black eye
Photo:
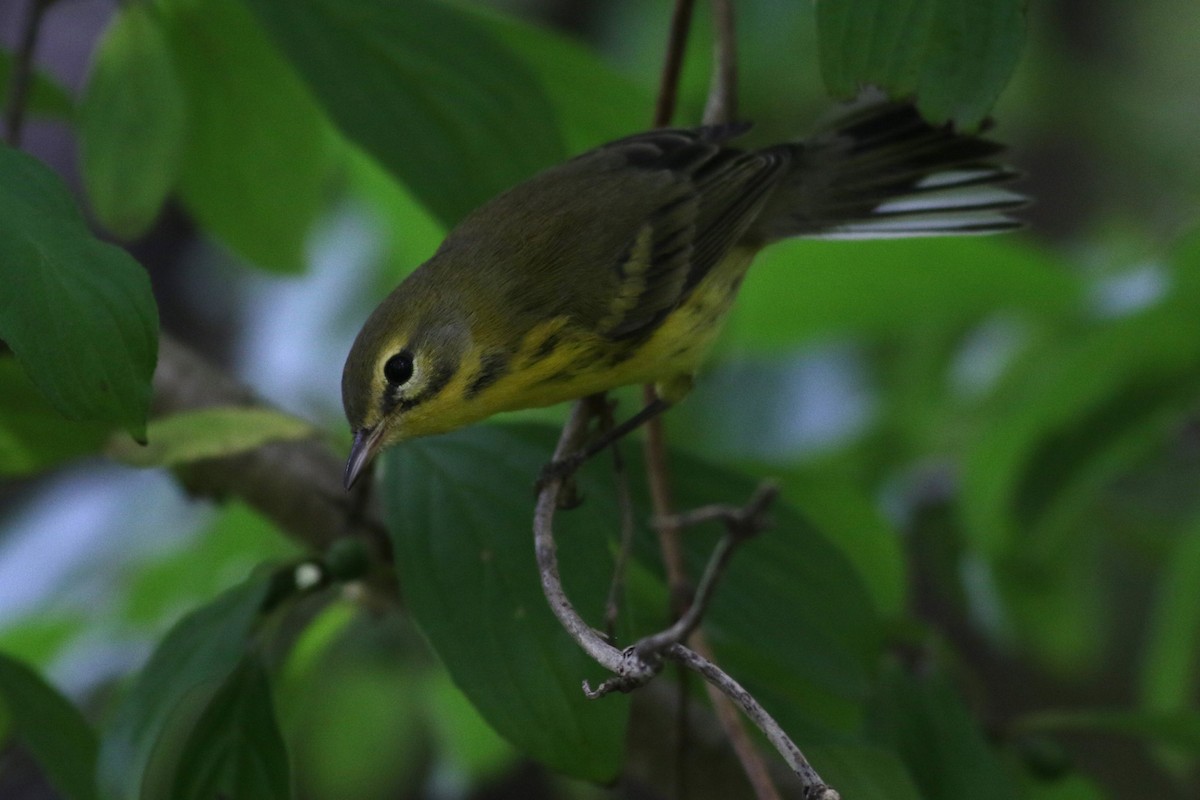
[{"x": 399, "y": 368}]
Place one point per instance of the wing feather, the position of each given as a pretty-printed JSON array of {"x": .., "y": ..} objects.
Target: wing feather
[{"x": 717, "y": 193}]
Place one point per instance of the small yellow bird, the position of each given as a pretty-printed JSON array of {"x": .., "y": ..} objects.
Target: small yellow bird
[{"x": 618, "y": 266}]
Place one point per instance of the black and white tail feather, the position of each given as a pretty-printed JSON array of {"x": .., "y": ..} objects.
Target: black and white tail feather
[{"x": 884, "y": 172}]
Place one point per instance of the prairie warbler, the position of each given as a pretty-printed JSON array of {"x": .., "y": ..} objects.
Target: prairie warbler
[{"x": 618, "y": 266}]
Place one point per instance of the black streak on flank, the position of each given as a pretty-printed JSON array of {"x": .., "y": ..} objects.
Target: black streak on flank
[
  {"x": 548, "y": 346},
  {"x": 492, "y": 367},
  {"x": 562, "y": 376},
  {"x": 622, "y": 354}
]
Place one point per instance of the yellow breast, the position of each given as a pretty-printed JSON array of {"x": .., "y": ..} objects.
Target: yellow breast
[
  {"x": 585, "y": 365},
  {"x": 554, "y": 364}
]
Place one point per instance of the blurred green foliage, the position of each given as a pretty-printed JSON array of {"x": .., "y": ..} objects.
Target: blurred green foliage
[
  {"x": 46, "y": 96},
  {"x": 986, "y": 564},
  {"x": 78, "y": 312},
  {"x": 132, "y": 124}
]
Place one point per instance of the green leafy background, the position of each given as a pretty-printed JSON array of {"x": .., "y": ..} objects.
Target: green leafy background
[{"x": 983, "y": 574}]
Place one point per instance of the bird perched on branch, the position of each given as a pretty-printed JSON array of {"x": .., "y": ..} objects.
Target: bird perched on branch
[{"x": 618, "y": 266}]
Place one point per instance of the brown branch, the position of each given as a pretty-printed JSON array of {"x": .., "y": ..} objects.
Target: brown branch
[
  {"x": 297, "y": 485},
  {"x": 710, "y": 767},
  {"x": 654, "y": 446},
  {"x": 753, "y": 764},
  {"x": 655, "y": 442},
  {"x": 741, "y": 524},
  {"x": 668, "y": 86},
  {"x": 22, "y": 72},
  {"x": 721, "y": 107},
  {"x": 814, "y": 787},
  {"x": 658, "y": 479}
]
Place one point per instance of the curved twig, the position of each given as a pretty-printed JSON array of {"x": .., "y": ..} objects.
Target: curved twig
[{"x": 638, "y": 664}]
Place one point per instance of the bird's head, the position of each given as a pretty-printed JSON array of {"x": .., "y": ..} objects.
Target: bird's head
[{"x": 399, "y": 379}]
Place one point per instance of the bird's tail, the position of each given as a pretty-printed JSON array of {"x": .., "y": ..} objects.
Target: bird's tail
[{"x": 882, "y": 171}]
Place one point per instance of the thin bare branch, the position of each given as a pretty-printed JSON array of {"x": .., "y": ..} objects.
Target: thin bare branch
[
  {"x": 637, "y": 665},
  {"x": 593, "y": 643},
  {"x": 654, "y": 445},
  {"x": 722, "y": 95},
  {"x": 720, "y": 107},
  {"x": 814, "y": 787},
  {"x": 658, "y": 477},
  {"x": 741, "y": 524},
  {"x": 681, "y": 23}
]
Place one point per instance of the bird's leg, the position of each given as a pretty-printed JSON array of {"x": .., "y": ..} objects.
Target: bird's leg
[
  {"x": 648, "y": 412},
  {"x": 566, "y": 467}
]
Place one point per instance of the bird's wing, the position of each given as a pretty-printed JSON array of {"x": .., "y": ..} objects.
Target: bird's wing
[{"x": 712, "y": 196}]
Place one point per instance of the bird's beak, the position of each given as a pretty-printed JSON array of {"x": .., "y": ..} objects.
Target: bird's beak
[{"x": 366, "y": 444}]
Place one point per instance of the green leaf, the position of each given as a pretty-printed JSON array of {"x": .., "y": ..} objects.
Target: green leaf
[
  {"x": 141, "y": 746},
  {"x": 47, "y": 97},
  {"x": 231, "y": 545},
  {"x": 33, "y": 436},
  {"x": 791, "y": 619},
  {"x": 1069, "y": 787},
  {"x": 131, "y": 122},
  {"x": 208, "y": 433},
  {"x": 1079, "y": 413},
  {"x": 955, "y": 55},
  {"x": 594, "y": 103},
  {"x": 923, "y": 719},
  {"x": 459, "y": 508},
  {"x": 1070, "y": 417},
  {"x": 37, "y": 640},
  {"x": 410, "y": 233},
  {"x": 863, "y": 773},
  {"x": 258, "y": 150},
  {"x": 1185, "y": 270},
  {"x": 423, "y": 89},
  {"x": 51, "y": 728},
  {"x": 77, "y": 312},
  {"x": 462, "y": 734},
  {"x": 1170, "y": 670},
  {"x": 236, "y": 748},
  {"x": 1179, "y": 729},
  {"x": 1051, "y": 605},
  {"x": 346, "y": 697},
  {"x": 800, "y": 290},
  {"x": 848, "y": 517}
]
